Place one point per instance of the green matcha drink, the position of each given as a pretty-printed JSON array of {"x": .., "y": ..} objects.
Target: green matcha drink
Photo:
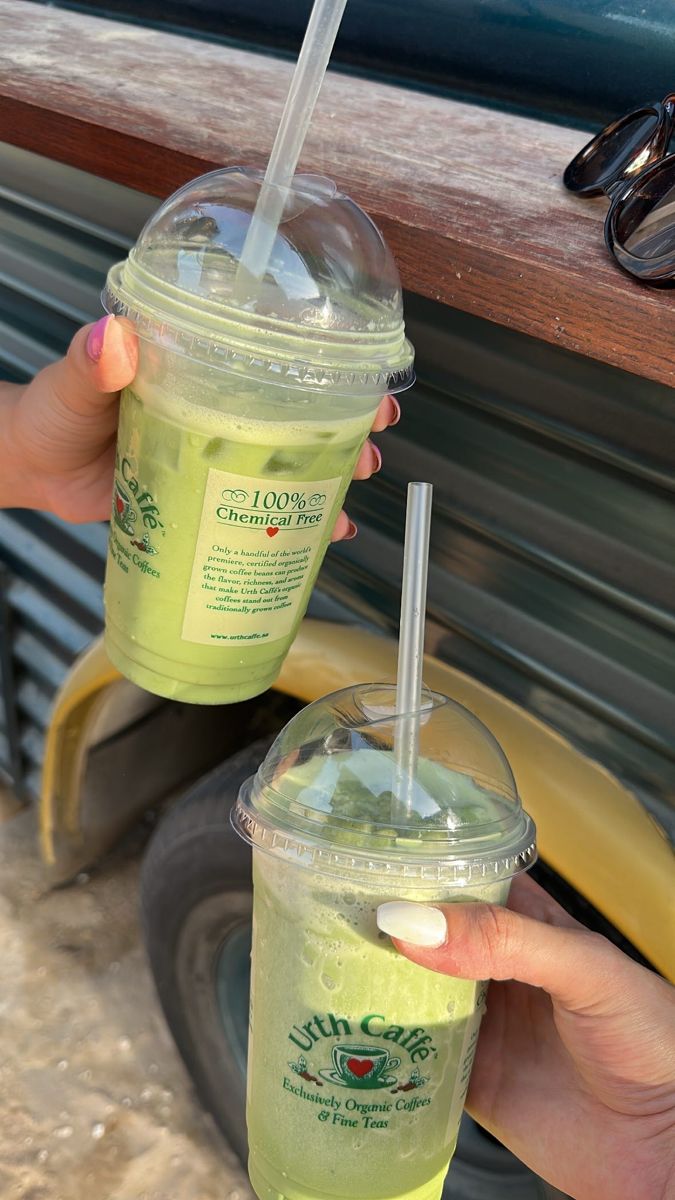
[
  {"x": 359, "y": 1061},
  {"x": 219, "y": 526},
  {"x": 239, "y": 435}
]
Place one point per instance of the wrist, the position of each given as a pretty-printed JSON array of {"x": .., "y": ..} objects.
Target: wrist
[{"x": 18, "y": 487}]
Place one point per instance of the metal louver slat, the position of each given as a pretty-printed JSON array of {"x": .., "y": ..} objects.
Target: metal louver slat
[
  {"x": 39, "y": 613},
  {"x": 92, "y": 537},
  {"x": 11, "y": 762},
  {"x": 33, "y": 701},
  {"x": 32, "y": 654},
  {"x": 40, "y": 261},
  {"x": 33, "y": 782},
  {"x": 32, "y": 556},
  {"x": 32, "y": 745},
  {"x": 74, "y": 199},
  {"x": 54, "y": 604},
  {"x": 20, "y": 354}
]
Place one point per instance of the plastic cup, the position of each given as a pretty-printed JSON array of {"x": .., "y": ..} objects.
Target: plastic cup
[
  {"x": 239, "y": 435},
  {"x": 359, "y": 1060}
]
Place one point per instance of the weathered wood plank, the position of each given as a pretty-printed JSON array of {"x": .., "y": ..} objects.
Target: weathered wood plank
[{"x": 470, "y": 199}]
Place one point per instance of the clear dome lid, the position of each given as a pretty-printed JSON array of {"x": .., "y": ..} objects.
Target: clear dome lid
[
  {"x": 330, "y": 792},
  {"x": 327, "y": 313}
]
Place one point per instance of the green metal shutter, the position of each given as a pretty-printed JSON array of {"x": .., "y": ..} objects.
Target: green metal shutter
[
  {"x": 59, "y": 232},
  {"x": 553, "y": 544}
]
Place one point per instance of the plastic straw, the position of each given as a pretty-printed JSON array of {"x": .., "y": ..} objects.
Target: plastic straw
[
  {"x": 411, "y": 636},
  {"x": 320, "y": 36}
]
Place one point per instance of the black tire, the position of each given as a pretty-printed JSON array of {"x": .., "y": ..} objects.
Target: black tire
[
  {"x": 195, "y": 897},
  {"x": 196, "y": 908}
]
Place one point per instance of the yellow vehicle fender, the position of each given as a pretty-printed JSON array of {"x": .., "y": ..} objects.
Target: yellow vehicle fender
[
  {"x": 93, "y": 692},
  {"x": 591, "y": 829}
]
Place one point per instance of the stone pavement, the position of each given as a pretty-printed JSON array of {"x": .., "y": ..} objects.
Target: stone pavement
[{"x": 94, "y": 1101}]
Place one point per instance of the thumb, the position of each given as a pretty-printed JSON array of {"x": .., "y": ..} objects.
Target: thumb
[
  {"x": 580, "y": 970},
  {"x": 101, "y": 359}
]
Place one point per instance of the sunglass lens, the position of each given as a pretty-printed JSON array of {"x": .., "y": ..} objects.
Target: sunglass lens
[
  {"x": 622, "y": 145},
  {"x": 644, "y": 223}
]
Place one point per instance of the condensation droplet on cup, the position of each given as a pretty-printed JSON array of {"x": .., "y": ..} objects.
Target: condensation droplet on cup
[
  {"x": 126, "y": 1101},
  {"x": 63, "y": 1132},
  {"x": 98, "y": 1131},
  {"x": 124, "y": 1044},
  {"x": 42, "y": 1156},
  {"x": 85, "y": 1076},
  {"x": 328, "y": 983},
  {"x": 308, "y": 956},
  {"x": 62, "y": 1065},
  {"x": 146, "y": 1095}
]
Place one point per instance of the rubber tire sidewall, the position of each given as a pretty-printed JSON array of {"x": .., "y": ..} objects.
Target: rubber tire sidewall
[{"x": 195, "y": 890}]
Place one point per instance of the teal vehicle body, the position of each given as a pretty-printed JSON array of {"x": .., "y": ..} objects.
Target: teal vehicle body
[{"x": 581, "y": 61}]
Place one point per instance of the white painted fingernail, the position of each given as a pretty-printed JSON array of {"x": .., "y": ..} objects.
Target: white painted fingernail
[{"x": 415, "y": 923}]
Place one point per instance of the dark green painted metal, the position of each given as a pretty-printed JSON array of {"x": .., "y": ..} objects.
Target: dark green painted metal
[
  {"x": 572, "y": 59},
  {"x": 553, "y": 542}
]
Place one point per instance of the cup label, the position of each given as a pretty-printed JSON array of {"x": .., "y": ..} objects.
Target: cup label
[
  {"x": 259, "y": 545},
  {"x": 346, "y": 1071}
]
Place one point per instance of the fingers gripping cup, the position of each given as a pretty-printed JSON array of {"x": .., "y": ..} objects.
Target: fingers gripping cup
[
  {"x": 239, "y": 435},
  {"x": 359, "y": 1060}
]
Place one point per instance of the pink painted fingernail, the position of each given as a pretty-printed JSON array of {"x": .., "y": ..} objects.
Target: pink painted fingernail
[
  {"x": 397, "y": 411},
  {"x": 351, "y": 532},
  {"x": 96, "y": 338},
  {"x": 377, "y": 458}
]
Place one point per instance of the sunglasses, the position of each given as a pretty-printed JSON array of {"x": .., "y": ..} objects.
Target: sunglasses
[{"x": 629, "y": 163}]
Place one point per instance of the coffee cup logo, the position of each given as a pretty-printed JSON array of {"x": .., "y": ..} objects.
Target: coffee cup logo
[
  {"x": 361, "y": 1067},
  {"x": 123, "y": 512}
]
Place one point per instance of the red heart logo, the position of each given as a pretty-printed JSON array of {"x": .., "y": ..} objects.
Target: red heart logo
[
  {"x": 272, "y": 530},
  {"x": 360, "y": 1066}
]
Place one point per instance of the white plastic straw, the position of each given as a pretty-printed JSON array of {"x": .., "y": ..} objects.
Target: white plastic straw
[
  {"x": 322, "y": 29},
  {"x": 411, "y": 636}
]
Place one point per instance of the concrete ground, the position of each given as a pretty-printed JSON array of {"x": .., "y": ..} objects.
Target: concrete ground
[{"x": 94, "y": 1101}]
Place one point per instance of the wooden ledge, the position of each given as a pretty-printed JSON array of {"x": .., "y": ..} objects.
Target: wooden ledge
[{"x": 469, "y": 199}]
